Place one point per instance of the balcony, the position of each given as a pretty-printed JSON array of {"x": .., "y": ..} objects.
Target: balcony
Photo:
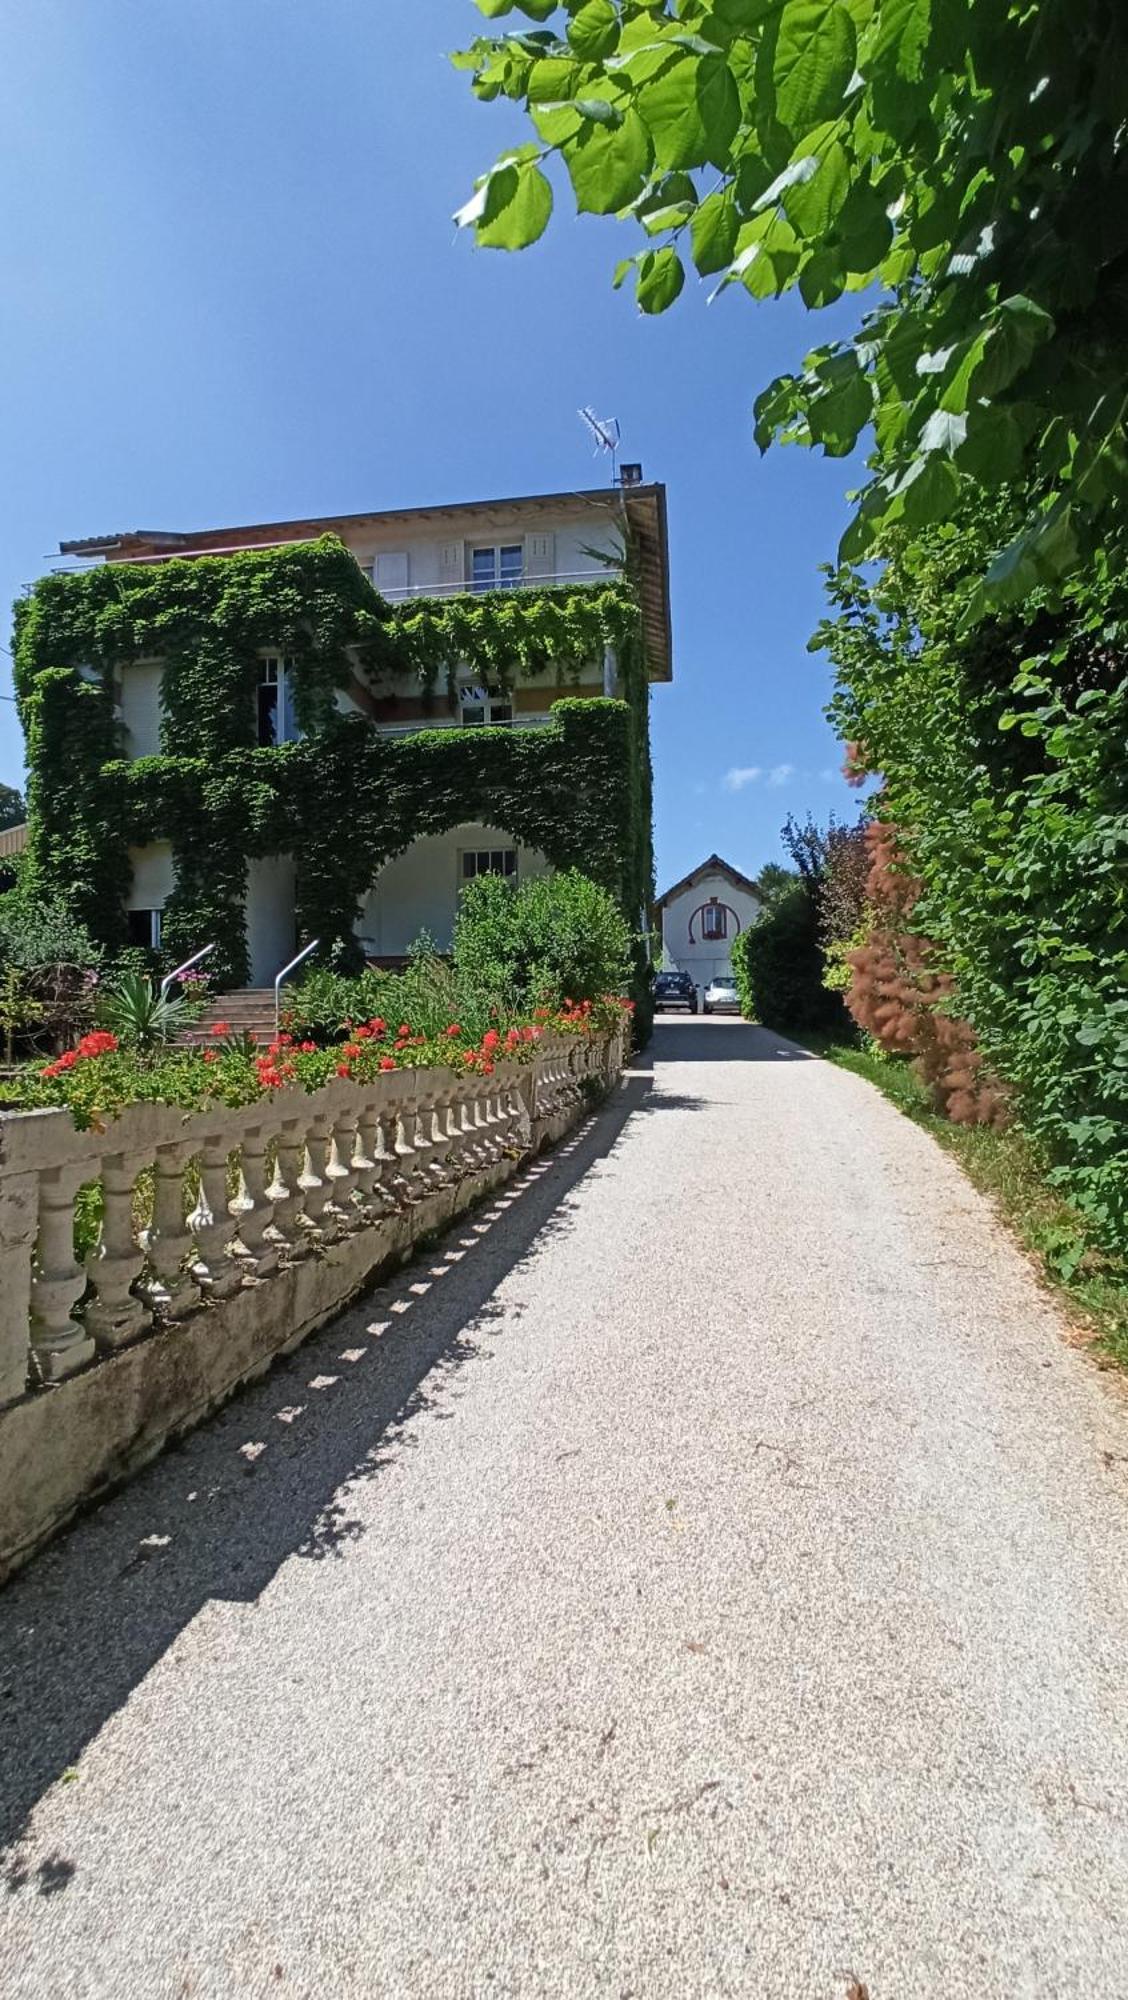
[{"x": 560, "y": 579}]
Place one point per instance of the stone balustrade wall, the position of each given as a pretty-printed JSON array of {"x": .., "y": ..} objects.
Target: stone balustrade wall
[{"x": 226, "y": 1238}]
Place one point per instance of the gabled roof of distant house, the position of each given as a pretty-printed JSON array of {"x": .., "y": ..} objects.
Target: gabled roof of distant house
[
  {"x": 643, "y": 507},
  {"x": 714, "y": 866}
]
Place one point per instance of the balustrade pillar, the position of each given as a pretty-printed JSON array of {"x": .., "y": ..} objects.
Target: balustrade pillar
[
  {"x": 365, "y": 1166},
  {"x": 286, "y": 1194},
  {"x": 19, "y": 1222},
  {"x": 59, "y": 1345},
  {"x": 116, "y": 1315},
  {"x": 254, "y": 1208},
  {"x": 168, "y": 1241},
  {"x": 216, "y": 1272},
  {"x": 312, "y": 1179},
  {"x": 340, "y": 1173}
]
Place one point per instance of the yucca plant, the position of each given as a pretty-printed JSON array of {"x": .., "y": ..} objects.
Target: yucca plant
[{"x": 138, "y": 1013}]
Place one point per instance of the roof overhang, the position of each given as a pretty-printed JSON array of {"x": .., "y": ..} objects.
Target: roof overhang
[
  {"x": 713, "y": 866},
  {"x": 641, "y": 510}
]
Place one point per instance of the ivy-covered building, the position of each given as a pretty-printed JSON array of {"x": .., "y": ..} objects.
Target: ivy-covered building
[{"x": 252, "y": 737}]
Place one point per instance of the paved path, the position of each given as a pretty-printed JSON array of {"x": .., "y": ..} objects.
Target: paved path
[{"x": 709, "y": 1578}]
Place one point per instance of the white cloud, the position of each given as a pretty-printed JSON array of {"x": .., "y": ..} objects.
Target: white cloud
[
  {"x": 741, "y": 775},
  {"x": 780, "y": 773},
  {"x": 828, "y": 776}
]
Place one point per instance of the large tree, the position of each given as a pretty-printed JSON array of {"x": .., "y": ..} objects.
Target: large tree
[{"x": 959, "y": 163}]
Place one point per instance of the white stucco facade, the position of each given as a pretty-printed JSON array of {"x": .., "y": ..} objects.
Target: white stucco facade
[
  {"x": 702, "y": 917},
  {"x": 271, "y": 926},
  {"x": 419, "y": 890},
  {"x": 141, "y": 708}
]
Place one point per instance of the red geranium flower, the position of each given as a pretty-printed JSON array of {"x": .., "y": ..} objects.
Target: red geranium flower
[
  {"x": 221, "y": 1028},
  {"x": 387, "y": 1062}
]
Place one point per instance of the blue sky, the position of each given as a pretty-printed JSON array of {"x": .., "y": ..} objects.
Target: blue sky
[{"x": 232, "y": 291}]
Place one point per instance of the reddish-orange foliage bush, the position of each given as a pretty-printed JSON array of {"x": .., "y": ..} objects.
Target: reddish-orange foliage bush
[{"x": 896, "y": 994}]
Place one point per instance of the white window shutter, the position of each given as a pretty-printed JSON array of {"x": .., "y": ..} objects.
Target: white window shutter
[
  {"x": 452, "y": 562},
  {"x": 540, "y": 555},
  {"x": 389, "y": 572}
]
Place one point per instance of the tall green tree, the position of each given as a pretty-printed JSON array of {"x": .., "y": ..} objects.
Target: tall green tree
[{"x": 960, "y": 164}]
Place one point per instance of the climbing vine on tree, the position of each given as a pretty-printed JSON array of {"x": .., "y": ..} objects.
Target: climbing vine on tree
[{"x": 960, "y": 163}]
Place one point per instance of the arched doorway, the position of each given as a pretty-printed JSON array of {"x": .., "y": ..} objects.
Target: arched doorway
[{"x": 418, "y": 891}]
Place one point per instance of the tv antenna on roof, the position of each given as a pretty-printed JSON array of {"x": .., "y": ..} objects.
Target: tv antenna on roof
[{"x": 605, "y": 431}]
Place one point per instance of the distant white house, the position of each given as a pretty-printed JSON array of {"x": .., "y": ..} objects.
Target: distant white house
[{"x": 702, "y": 915}]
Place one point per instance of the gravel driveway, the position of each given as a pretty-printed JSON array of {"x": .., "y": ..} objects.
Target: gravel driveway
[{"x": 709, "y": 1576}]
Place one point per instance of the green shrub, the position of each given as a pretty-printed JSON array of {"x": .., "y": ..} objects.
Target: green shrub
[
  {"x": 780, "y": 967},
  {"x": 559, "y": 937},
  {"x": 36, "y": 935},
  {"x": 1000, "y": 746}
]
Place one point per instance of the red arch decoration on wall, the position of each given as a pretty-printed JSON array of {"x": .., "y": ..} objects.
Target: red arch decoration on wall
[{"x": 714, "y": 903}]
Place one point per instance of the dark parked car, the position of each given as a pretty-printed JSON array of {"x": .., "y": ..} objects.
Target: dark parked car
[{"x": 675, "y": 989}]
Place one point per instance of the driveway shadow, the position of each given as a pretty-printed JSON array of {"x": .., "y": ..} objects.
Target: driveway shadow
[
  {"x": 266, "y": 1478},
  {"x": 721, "y": 1039}
]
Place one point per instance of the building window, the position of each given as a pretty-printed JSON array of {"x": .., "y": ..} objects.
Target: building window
[
  {"x": 488, "y": 861},
  {"x": 275, "y": 708},
  {"x": 500, "y": 568},
  {"x": 144, "y": 928},
  {"x": 714, "y": 923},
  {"x": 478, "y": 708}
]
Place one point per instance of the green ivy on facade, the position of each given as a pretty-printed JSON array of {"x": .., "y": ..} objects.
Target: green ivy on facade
[{"x": 343, "y": 800}]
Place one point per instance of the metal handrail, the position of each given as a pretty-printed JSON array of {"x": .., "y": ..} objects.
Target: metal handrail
[
  {"x": 285, "y": 974},
  {"x": 170, "y": 978}
]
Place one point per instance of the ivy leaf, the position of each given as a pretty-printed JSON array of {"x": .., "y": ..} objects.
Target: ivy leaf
[
  {"x": 516, "y": 208},
  {"x": 608, "y": 165},
  {"x": 594, "y": 31},
  {"x": 660, "y": 279},
  {"x": 815, "y": 53}
]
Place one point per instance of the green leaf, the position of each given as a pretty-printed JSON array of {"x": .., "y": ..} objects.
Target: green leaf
[
  {"x": 901, "y": 31},
  {"x": 1018, "y": 330},
  {"x": 815, "y": 53},
  {"x": 660, "y": 279},
  {"x": 517, "y": 208},
  {"x": 608, "y": 165},
  {"x": 929, "y": 490},
  {"x": 594, "y": 31},
  {"x": 535, "y": 10},
  {"x": 713, "y": 233},
  {"x": 837, "y": 416},
  {"x": 692, "y": 110},
  {"x": 944, "y": 432},
  {"x": 813, "y": 204},
  {"x": 993, "y": 448},
  {"x": 740, "y": 14},
  {"x": 821, "y": 279}
]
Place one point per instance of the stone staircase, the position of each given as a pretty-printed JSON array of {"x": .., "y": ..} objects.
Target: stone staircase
[{"x": 249, "y": 1010}]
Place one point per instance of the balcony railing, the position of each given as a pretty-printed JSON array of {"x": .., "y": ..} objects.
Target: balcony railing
[{"x": 464, "y": 587}]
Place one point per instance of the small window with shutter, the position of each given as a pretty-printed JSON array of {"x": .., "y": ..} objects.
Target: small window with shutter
[{"x": 540, "y": 555}]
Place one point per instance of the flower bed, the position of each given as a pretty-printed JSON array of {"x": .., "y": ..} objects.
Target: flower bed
[{"x": 100, "y": 1076}]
